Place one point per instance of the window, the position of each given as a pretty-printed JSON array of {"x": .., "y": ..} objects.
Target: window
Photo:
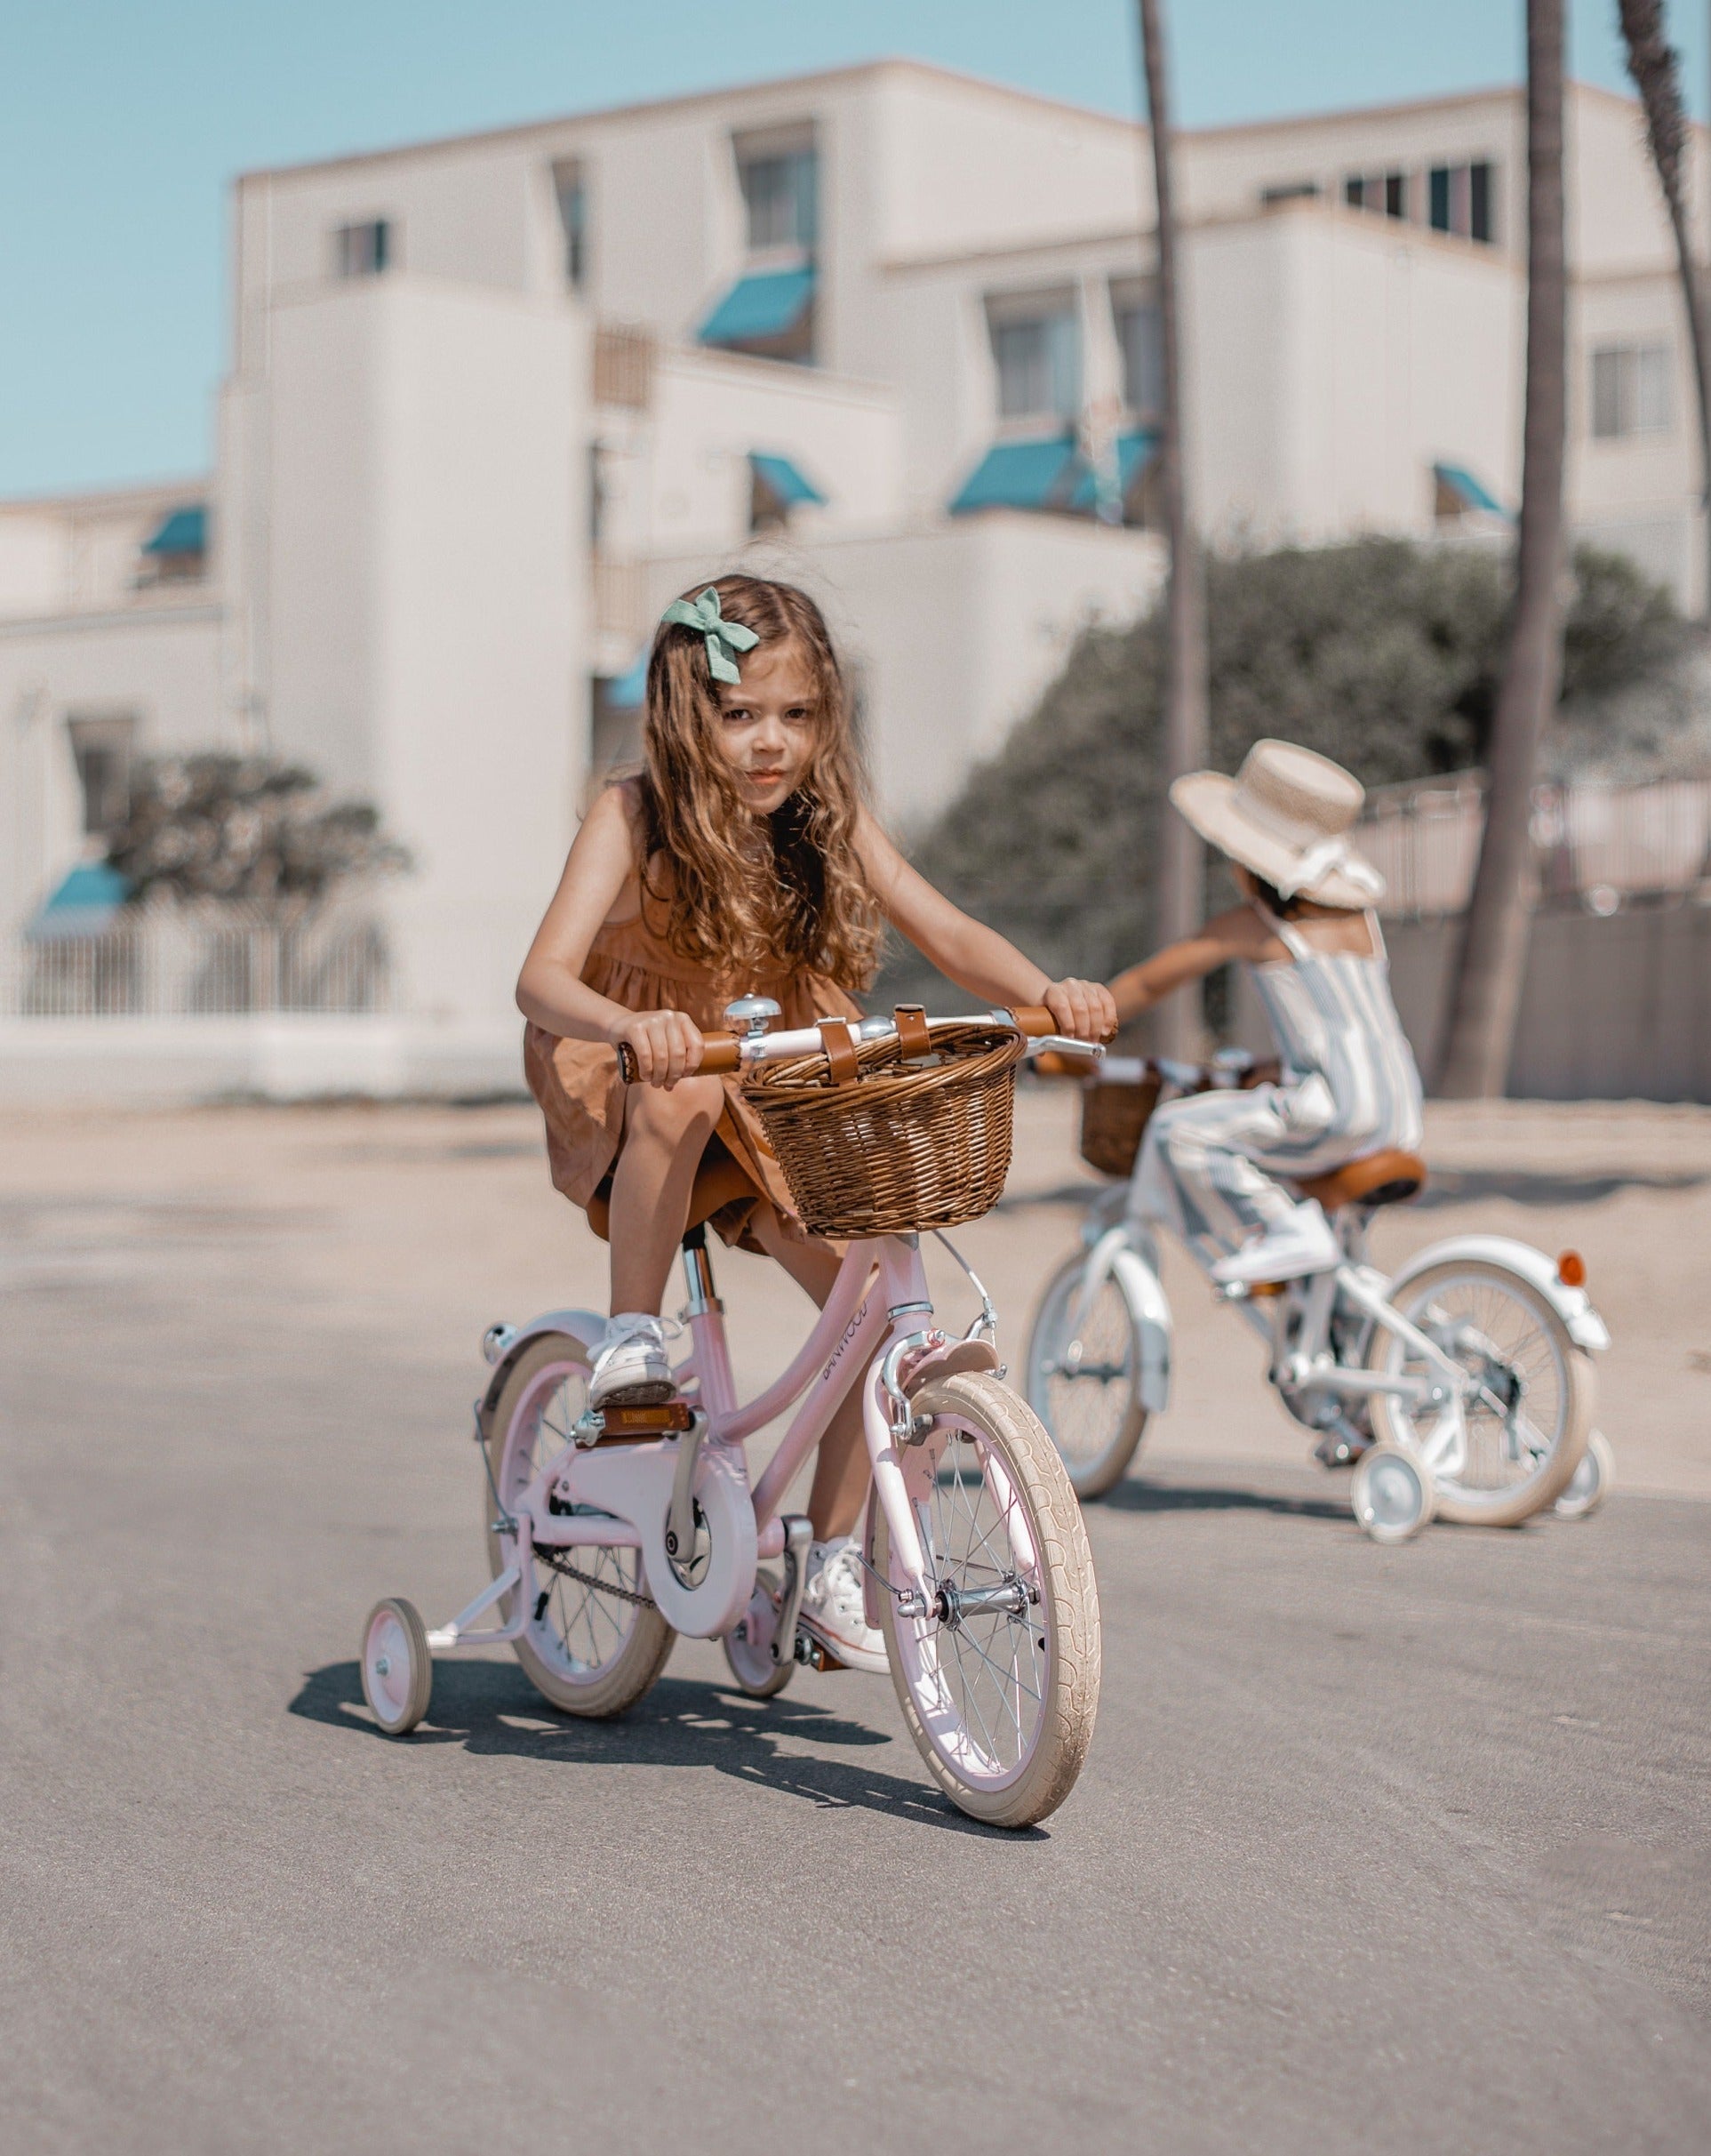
[
  {"x": 1382, "y": 194},
  {"x": 363, "y": 251},
  {"x": 780, "y": 185},
  {"x": 1630, "y": 390},
  {"x": 1037, "y": 350},
  {"x": 571, "y": 185},
  {"x": 102, "y": 749},
  {"x": 1140, "y": 334},
  {"x": 1459, "y": 199},
  {"x": 1290, "y": 190}
]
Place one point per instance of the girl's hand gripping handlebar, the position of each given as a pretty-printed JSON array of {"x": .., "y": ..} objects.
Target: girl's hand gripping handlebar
[{"x": 723, "y": 1052}]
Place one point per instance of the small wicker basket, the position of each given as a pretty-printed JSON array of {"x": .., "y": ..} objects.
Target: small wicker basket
[
  {"x": 1113, "y": 1120},
  {"x": 908, "y": 1142}
]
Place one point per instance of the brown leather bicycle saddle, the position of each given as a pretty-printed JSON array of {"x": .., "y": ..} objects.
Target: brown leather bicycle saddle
[{"x": 1384, "y": 1178}]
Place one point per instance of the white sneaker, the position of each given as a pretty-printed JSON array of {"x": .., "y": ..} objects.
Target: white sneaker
[
  {"x": 834, "y": 1607},
  {"x": 630, "y": 1366},
  {"x": 1293, "y": 1248}
]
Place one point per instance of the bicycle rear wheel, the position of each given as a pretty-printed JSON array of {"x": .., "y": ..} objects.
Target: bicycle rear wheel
[
  {"x": 1509, "y": 1447},
  {"x": 594, "y": 1643},
  {"x": 999, "y": 1684},
  {"x": 1084, "y": 1381}
]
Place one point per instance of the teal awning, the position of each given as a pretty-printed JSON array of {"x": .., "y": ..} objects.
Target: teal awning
[
  {"x": 1135, "y": 452},
  {"x": 781, "y": 476},
  {"x": 769, "y": 304},
  {"x": 182, "y": 531},
  {"x": 1037, "y": 475},
  {"x": 629, "y": 692},
  {"x": 83, "y": 904},
  {"x": 1457, "y": 480}
]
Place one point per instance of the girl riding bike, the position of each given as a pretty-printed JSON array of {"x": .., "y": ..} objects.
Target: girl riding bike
[
  {"x": 740, "y": 859},
  {"x": 1350, "y": 1086}
]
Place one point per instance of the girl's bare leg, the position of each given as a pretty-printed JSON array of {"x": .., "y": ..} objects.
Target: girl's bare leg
[
  {"x": 665, "y": 1134},
  {"x": 841, "y": 1466}
]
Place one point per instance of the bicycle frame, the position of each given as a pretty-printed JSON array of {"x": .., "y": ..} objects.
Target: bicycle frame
[{"x": 880, "y": 1302}]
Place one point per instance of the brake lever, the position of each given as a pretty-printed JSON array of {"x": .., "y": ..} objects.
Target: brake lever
[{"x": 1060, "y": 1044}]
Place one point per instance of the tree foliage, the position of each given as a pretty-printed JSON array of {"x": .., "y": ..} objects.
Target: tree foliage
[
  {"x": 1381, "y": 653},
  {"x": 245, "y": 830}
]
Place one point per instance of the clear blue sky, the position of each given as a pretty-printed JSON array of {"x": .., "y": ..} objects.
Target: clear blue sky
[{"x": 122, "y": 121}]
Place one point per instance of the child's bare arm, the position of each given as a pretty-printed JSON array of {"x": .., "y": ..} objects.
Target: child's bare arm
[
  {"x": 550, "y": 987},
  {"x": 1238, "y": 934},
  {"x": 977, "y": 958}
]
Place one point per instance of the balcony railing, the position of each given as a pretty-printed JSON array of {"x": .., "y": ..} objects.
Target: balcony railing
[{"x": 169, "y": 962}]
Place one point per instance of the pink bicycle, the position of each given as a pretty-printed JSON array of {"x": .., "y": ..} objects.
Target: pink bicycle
[{"x": 608, "y": 1533}]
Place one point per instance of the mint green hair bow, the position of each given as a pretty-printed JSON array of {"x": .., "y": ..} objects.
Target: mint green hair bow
[{"x": 723, "y": 638}]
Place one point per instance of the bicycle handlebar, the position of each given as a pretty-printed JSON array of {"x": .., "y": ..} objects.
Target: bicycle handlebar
[{"x": 722, "y": 1052}]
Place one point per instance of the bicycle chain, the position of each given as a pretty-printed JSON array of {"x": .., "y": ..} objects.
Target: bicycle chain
[{"x": 587, "y": 1579}]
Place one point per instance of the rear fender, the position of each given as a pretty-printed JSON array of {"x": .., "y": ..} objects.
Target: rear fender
[
  {"x": 1572, "y": 1305},
  {"x": 587, "y": 1326}
]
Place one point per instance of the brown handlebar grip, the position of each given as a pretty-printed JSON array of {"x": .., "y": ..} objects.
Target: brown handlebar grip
[
  {"x": 1035, "y": 1020},
  {"x": 719, "y": 1054},
  {"x": 1054, "y": 1064}
]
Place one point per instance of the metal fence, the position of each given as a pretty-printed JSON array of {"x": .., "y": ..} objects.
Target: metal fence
[
  {"x": 1592, "y": 844},
  {"x": 167, "y": 962}
]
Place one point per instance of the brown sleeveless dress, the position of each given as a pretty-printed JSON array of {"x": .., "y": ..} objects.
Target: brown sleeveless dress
[{"x": 582, "y": 1096}]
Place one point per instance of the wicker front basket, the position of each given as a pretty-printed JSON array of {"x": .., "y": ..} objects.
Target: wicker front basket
[
  {"x": 1113, "y": 1118},
  {"x": 901, "y": 1145}
]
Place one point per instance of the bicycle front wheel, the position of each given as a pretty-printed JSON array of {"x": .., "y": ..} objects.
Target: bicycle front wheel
[
  {"x": 1084, "y": 1381},
  {"x": 1509, "y": 1445},
  {"x": 999, "y": 1682}
]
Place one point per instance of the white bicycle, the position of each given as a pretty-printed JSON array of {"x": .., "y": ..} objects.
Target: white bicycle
[{"x": 1461, "y": 1388}]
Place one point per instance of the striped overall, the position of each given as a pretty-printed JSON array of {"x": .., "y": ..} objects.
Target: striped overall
[{"x": 1349, "y": 1088}]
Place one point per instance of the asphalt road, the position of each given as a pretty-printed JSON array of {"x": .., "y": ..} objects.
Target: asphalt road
[{"x": 1375, "y": 1849}]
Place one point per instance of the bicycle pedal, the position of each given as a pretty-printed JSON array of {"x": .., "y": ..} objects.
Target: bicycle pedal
[{"x": 815, "y": 1655}]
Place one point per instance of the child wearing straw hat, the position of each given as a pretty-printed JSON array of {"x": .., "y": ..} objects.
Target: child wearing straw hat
[{"x": 1210, "y": 1164}]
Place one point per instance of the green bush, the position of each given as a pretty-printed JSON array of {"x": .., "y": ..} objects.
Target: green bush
[{"x": 1381, "y": 653}]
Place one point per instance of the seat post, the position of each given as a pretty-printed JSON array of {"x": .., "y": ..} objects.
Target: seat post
[{"x": 698, "y": 1272}]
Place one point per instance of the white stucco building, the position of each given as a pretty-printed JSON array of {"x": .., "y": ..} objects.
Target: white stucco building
[{"x": 493, "y": 401}]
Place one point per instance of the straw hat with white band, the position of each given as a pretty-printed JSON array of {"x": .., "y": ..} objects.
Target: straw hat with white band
[{"x": 1286, "y": 815}]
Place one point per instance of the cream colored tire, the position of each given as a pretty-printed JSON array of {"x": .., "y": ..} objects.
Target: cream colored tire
[
  {"x": 397, "y": 1669},
  {"x": 1498, "y": 1320},
  {"x": 1001, "y": 1706},
  {"x": 753, "y": 1670},
  {"x": 587, "y": 1648}
]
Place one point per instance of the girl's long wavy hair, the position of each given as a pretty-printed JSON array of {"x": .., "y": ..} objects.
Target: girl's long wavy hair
[{"x": 753, "y": 899}]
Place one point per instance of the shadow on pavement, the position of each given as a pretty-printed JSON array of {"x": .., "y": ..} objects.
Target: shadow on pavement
[
  {"x": 491, "y": 1710},
  {"x": 1136, "y": 1496}
]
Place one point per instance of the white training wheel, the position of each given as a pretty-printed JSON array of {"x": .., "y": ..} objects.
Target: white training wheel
[
  {"x": 1591, "y": 1482},
  {"x": 1393, "y": 1496},
  {"x": 748, "y": 1649},
  {"x": 397, "y": 1669}
]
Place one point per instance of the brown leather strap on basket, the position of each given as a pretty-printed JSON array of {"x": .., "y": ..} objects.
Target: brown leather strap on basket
[
  {"x": 913, "y": 1037},
  {"x": 839, "y": 1043}
]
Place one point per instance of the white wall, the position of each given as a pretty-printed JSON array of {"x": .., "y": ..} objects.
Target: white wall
[
  {"x": 680, "y": 478},
  {"x": 429, "y": 599}
]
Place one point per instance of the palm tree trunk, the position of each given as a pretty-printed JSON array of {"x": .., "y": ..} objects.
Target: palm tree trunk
[
  {"x": 1656, "y": 69},
  {"x": 1179, "y": 899},
  {"x": 1480, "y": 1035}
]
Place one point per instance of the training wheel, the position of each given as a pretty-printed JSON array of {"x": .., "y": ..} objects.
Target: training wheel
[
  {"x": 750, "y": 1661},
  {"x": 1591, "y": 1482},
  {"x": 1393, "y": 1496},
  {"x": 397, "y": 1669}
]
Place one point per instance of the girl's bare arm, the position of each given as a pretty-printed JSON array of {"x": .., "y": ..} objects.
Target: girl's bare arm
[
  {"x": 550, "y": 987},
  {"x": 977, "y": 958},
  {"x": 1238, "y": 934}
]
